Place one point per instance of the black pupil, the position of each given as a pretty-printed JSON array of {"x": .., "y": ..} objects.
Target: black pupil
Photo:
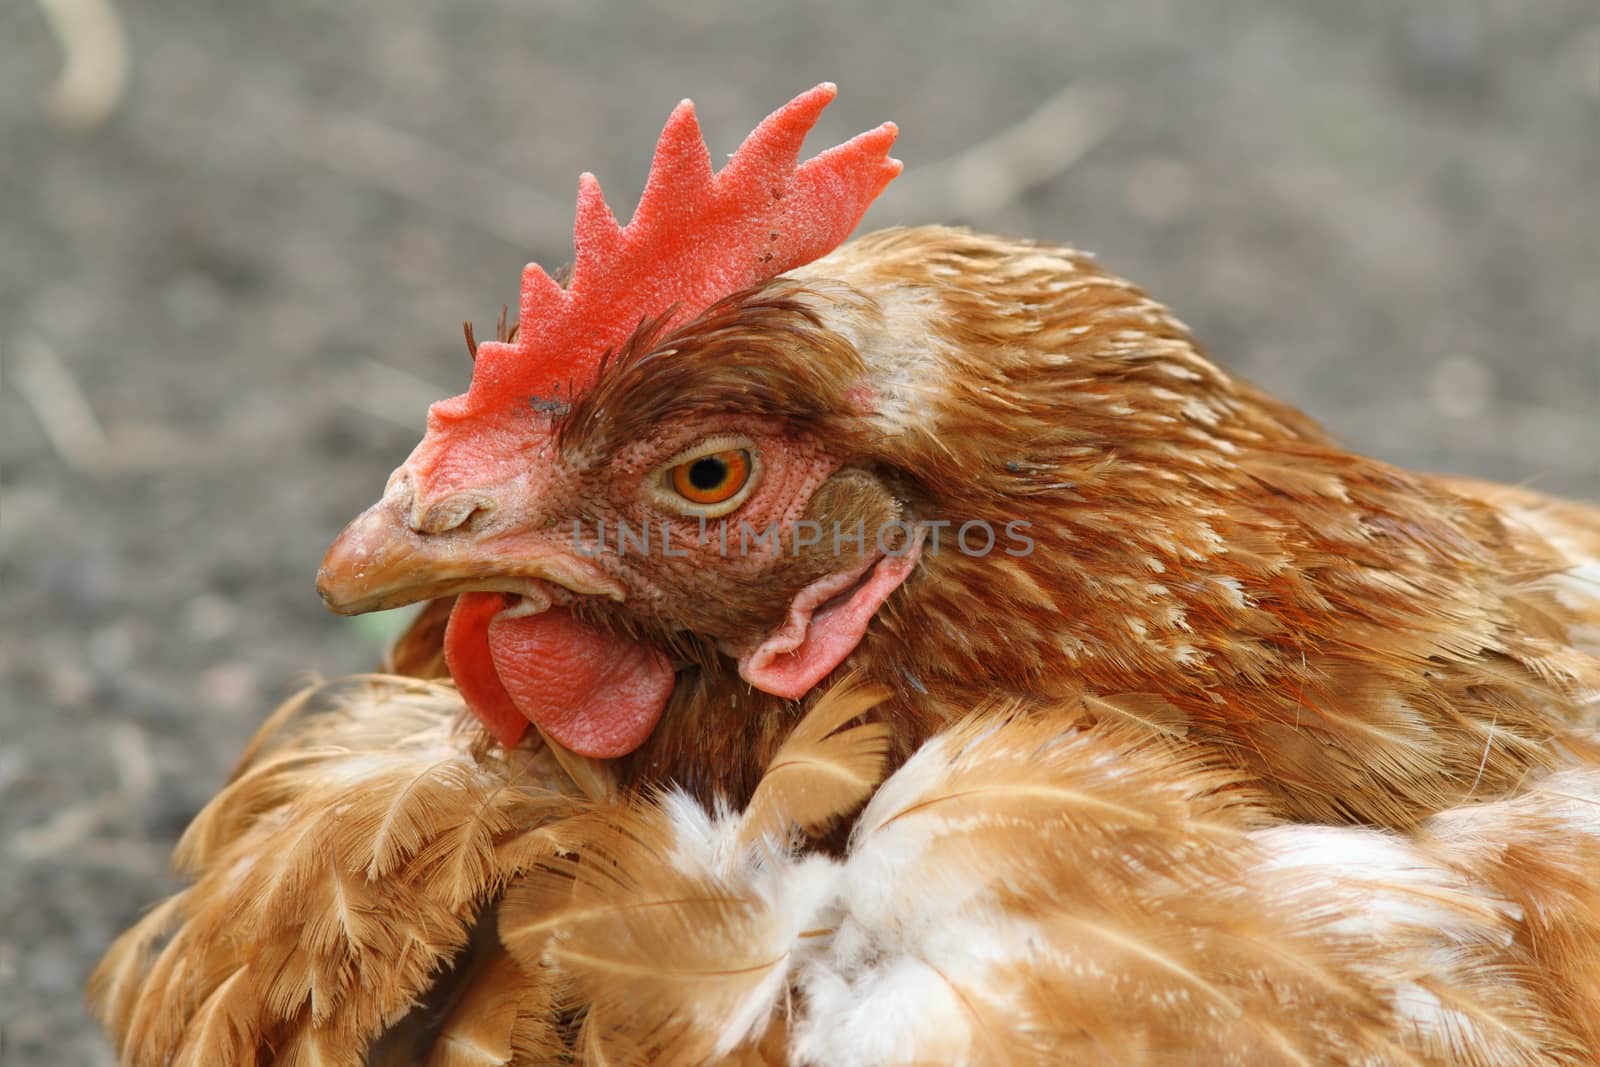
[{"x": 708, "y": 473}]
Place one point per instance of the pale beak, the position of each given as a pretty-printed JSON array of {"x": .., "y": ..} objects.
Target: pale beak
[{"x": 380, "y": 561}]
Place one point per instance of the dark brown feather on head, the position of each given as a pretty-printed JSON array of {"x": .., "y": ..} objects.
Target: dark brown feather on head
[{"x": 761, "y": 353}]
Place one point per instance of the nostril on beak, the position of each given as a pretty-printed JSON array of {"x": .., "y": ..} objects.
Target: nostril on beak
[
  {"x": 427, "y": 513},
  {"x": 452, "y": 513}
]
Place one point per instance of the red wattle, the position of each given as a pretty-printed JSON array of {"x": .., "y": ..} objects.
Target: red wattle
[
  {"x": 466, "y": 653},
  {"x": 593, "y": 692}
]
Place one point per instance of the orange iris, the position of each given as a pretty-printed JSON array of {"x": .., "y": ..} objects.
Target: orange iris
[{"x": 711, "y": 479}]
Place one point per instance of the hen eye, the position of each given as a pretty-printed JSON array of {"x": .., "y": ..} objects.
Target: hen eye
[
  {"x": 709, "y": 480},
  {"x": 713, "y": 479}
]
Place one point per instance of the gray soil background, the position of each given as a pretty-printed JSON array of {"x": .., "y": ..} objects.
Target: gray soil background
[{"x": 224, "y": 309}]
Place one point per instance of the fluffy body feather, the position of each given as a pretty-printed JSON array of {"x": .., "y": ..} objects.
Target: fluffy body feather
[
  {"x": 333, "y": 880},
  {"x": 1024, "y": 889}
]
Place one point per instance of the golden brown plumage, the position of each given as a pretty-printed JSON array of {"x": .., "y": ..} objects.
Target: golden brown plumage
[
  {"x": 1023, "y": 890},
  {"x": 1301, "y": 634},
  {"x": 343, "y": 866},
  {"x": 1372, "y": 644},
  {"x": 1230, "y": 746}
]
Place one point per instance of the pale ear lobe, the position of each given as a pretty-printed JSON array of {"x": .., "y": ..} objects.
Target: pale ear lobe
[{"x": 815, "y": 639}]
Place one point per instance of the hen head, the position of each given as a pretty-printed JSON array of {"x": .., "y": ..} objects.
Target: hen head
[{"x": 581, "y": 495}]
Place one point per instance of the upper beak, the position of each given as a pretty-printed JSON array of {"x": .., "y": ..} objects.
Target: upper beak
[{"x": 380, "y": 561}]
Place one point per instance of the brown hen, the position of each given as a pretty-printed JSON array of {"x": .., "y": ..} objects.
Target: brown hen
[{"x": 915, "y": 651}]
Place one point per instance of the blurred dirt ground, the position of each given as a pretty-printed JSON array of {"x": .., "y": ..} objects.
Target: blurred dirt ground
[{"x": 223, "y": 310}]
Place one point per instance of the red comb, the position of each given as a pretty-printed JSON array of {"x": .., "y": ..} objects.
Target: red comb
[{"x": 695, "y": 238}]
